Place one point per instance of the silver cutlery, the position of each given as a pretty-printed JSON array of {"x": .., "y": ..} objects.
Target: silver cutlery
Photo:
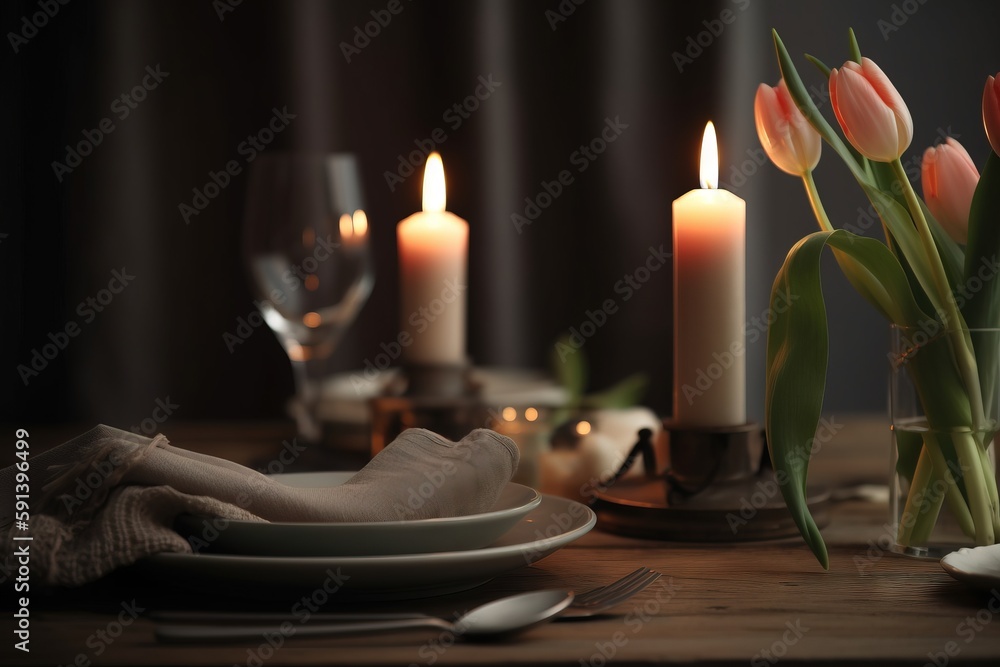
[{"x": 501, "y": 617}]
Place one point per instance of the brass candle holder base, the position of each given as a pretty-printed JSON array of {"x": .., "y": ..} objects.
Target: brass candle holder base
[
  {"x": 438, "y": 397},
  {"x": 714, "y": 489}
]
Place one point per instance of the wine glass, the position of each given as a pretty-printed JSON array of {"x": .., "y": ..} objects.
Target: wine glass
[{"x": 305, "y": 244}]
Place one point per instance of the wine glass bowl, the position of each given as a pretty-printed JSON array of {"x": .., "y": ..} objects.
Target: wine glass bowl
[{"x": 306, "y": 248}]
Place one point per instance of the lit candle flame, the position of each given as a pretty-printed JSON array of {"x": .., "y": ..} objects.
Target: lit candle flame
[
  {"x": 346, "y": 227},
  {"x": 709, "y": 159},
  {"x": 434, "y": 193},
  {"x": 360, "y": 223}
]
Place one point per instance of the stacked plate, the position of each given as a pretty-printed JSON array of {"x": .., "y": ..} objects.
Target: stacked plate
[{"x": 382, "y": 560}]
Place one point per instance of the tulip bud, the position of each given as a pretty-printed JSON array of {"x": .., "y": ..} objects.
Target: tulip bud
[
  {"x": 790, "y": 141},
  {"x": 949, "y": 179},
  {"x": 991, "y": 112},
  {"x": 870, "y": 111}
]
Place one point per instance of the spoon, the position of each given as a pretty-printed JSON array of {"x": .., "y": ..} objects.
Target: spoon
[{"x": 500, "y": 618}]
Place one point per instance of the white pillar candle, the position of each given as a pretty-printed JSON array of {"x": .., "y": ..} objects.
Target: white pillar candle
[
  {"x": 709, "y": 301},
  {"x": 433, "y": 246}
]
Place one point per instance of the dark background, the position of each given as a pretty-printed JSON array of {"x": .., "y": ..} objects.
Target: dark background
[{"x": 163, "y": 336}]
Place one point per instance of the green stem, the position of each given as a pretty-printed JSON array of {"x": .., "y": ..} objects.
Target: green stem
[
  {"x": 956, "y": 501},
  {"x": 817, "y": 205},
  {"x": 974, "y": 476},
  {"x": 922, "y": 506},
  {"x": 953, "y": 320}
]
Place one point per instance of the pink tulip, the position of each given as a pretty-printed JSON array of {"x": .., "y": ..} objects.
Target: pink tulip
[
  {"x": 870, "y": 111},
  {"x": 949, "y": 180},
  {"x": 991, "y": 112},
  {"x": 787, "y": 137}
]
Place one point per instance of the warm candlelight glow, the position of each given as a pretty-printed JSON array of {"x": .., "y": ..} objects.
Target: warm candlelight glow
[
  {"x": 312, "y": 320},
  {"x": 360, "y": 223},
  {"x": 531, "y": 414},
  {"x": 434, "y": 192},
  {"x": 509, "y": 414},
  {"x": 709, "y": 159},
  {"x": 346, "y": 227},
  {"x": 583, "y": 428}
]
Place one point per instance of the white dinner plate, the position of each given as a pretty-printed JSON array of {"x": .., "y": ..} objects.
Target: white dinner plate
[
  {"x": 979, "y": 566},
  {"x": 552, "y": 525},
  {"x": 382, "y": 538}
]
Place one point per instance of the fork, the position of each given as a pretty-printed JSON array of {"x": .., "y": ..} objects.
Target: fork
[
  {"x": 586, "y": 604},
  {"x": 603, "y": 598}
]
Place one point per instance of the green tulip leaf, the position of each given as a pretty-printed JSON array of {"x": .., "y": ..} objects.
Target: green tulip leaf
[
  {"x": 820, "y": 65},
  {"x": 853, "y": 46},
  {"x": 797, "y": 346},
  {"x": 952, "y": 257},
  {"x": 982, "y": 255}
]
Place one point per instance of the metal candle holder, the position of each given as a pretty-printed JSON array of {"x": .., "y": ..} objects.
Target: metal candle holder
[
  {"x": 439, "y": 397},
  {"x": 718, "y": 486}
]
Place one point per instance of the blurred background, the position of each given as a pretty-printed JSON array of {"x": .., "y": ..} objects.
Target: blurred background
[{"x": 215, "y": 73}]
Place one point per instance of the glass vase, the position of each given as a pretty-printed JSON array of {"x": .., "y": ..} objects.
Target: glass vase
[{"x": 944, "y": 414}]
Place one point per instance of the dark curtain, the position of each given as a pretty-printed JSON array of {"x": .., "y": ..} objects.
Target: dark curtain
[{"x": 560, "y": 72}]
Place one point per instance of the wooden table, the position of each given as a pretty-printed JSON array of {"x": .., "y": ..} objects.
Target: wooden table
[{"x": 750, "y": 603}]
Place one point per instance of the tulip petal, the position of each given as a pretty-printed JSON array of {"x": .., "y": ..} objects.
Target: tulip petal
[
  {"x": 787, "y": 137},
  {"x": 949, "y": 179},
  {"x": 991, "y": 112},
  {"x": 892, "y": 99},
  {"x": 867, "y": 122}
]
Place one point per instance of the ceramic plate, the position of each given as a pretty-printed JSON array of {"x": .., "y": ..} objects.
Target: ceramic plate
[
  {"x": 385, "y": 538},
  {"x": 552, "y": 525},
  {"x": 979, "y": 566}
]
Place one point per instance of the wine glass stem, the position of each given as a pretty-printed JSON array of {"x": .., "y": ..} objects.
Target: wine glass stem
[{"x": 309, "y": 374}]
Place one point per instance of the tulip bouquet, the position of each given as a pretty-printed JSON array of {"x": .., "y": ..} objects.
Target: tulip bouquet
[{"x": 926, "y": 279}]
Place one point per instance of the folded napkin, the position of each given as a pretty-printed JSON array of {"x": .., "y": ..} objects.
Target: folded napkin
[{"x": 110, "y": 497}]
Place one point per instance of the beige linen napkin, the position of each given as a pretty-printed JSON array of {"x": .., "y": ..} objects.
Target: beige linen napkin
[{"x": 110, "y": 497}]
